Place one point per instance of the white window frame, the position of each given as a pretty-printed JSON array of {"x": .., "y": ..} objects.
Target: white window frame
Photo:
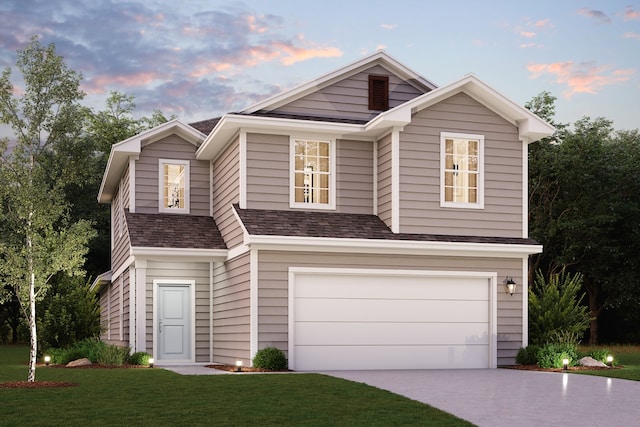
[
  {"x": 332, "y": 174},
  {"x": 479, "y": 204},
  {"x": 187, "y": 198}
]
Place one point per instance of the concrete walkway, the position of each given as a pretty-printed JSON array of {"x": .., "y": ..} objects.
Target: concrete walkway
[{"x": 509, "y": 397}]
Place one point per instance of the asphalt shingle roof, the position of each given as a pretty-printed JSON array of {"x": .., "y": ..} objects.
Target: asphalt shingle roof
[
  {"x": 346, "y": 226},
  {"x": 173, "y": 231}
]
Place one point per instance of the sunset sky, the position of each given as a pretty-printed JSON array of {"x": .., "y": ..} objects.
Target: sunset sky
[{"x": 200, "y": 59}]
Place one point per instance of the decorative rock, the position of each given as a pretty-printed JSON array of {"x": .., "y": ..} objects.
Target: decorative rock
[
  {"x": 590, "y": 361},
  {"x": 79, "y": 362}
]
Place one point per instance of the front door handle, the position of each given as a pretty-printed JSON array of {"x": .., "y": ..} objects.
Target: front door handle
[{"x": 160, "y": 326}]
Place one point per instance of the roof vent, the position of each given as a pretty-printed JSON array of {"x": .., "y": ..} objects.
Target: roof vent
[{"x": 378, "y": 92}]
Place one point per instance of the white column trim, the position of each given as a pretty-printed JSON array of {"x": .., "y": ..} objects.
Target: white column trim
[
  {"x": 242, "y": 164},
  {"x": 375, "y": 177},
  {"x": 253, "y": 304},
  {"x": 525, "y": 301},
  {"x": 133, "y": 310},
  {"x": 141, "y": 304},
  {"x": 132, "y": 183},
  {"x": 525, "y": 190},
  {"x": 211, "y": 272},
  {"x": 395, "y": 180}
]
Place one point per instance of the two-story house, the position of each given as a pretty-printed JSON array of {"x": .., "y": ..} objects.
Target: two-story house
[{"x": 367, "y": 219}]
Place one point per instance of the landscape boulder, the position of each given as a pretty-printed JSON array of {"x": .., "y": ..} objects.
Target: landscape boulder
[
  {"x": 79, "y": 362},
  {"x": 591, "y": 362}
]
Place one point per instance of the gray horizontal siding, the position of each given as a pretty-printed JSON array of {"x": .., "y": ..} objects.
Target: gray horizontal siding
[
  {"x": 420, "y": 172},
  {"x": 349, "y": 98},
  {"x": 267, "y": 171},
  {"x": 199, "y": 272},
  {"x": 231, "y": 311},
  {"x": 147, "y": 175},
  {"x": 384, "y": 180},
  {"x": 273, "y": 289},
  {"x": 225, "y": 191},
  {"x": 354, "y": 179}
]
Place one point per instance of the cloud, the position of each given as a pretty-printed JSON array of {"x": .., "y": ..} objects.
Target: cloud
[
  {"x": 631, "y": 35},
  {"x": 527, "y": 34},
  {"x": 388, "y": 26},
  {"x": 598, "y": 15},
  {"x": 631, "y": 14},
  {"x": 158, "y": 51},
  {"x": 543, "y": 23},
  {"x": 580, "y": 78}
]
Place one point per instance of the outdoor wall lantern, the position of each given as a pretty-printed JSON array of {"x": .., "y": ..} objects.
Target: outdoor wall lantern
[
  {"x": 238, "y": 365},
  {"x": 151, "y": 361},
  {"x": 610, "y": 361},
  {"x": 510, "y": 286},
  {"x": 565, "y": 364},
  {"x": 47, "y": 360}
]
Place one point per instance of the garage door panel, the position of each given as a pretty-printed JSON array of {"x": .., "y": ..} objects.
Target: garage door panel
[
  {"x": 324, "y": 358},
  {"x": 367, "y": 310},
  {"x": 374, "y": 319},
  {"x": 378, "y": 333},
  {"x": 400, "y": 287}
]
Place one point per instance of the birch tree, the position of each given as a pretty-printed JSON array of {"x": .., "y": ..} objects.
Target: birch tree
[{"x": 37, "y": 239}]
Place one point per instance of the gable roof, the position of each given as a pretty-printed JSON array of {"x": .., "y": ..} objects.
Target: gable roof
[
  {"x": 122, "y": 151},
  {"x": 530, "y": 127},
  {"x": 378, "y": 58}
]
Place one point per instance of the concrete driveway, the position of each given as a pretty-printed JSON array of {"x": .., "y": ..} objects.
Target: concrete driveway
[{"x": 508, "y": 397}]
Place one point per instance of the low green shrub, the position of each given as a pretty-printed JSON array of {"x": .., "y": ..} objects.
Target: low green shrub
[
  {"x": 270, "y": 358},
  {"x": 528, "y": 355},
  {"x": 113, "y": 355},
  {"x": 599, "y": 354},
  {"x": 556, "y": 312},
  {"x": 89, "y": 348},
  {"x": 552, "y": 354},
  {"x": 139, "y": 358}
]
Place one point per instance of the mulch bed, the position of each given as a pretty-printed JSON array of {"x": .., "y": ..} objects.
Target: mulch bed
[
  {"x": 570, "y": 369},
  {"x": 37, "y": 384},
  {"x": 233, "y": 368}
]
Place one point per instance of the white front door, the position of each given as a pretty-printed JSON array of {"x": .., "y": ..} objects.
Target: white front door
[{"x": 174, "y": 322}]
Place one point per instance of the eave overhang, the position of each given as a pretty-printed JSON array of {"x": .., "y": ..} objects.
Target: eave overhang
[
  {"x": 179, "y": 254},
  {"x": 390, "y": 247}
]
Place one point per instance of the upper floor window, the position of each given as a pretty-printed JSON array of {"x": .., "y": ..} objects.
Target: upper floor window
[
  {"x": 378, "y": 92},
  {"x": 174, "y": 186},
  {"x": 312, "y": 175},
  {"x": 462, "y": 175}
]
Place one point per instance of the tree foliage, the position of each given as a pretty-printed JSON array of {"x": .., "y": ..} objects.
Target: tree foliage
[
  {"x": 69, "y": 312},
  {"x": 584, "y": 203},
  {"x": 38, "y": 240}
]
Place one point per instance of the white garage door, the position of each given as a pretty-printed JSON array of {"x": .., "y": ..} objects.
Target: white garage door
[{"x": 381, "y": 319}]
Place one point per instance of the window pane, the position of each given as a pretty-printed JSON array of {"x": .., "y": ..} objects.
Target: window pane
[
  {"x": 173, "y": 188},
  {"x": 473, "y": 148},
  {"x": 311, "y": 171},
  {"x": 324, "y": 149}
]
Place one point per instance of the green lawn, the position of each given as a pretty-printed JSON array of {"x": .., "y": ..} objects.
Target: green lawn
[
  {"x": 158, "y": 397},
  {"x": 625, "y": 355}
]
